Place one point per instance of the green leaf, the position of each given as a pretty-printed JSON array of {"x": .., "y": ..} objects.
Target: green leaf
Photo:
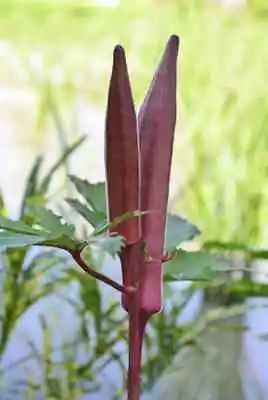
[
  {"x": 178, "y": 230},
  {"x": 17, "y": 226},
  {"x": 93, "y": 193},
  {"x": 52, "y": 223},
  {"x": 59, "y": 234},
  {"x": 51, "y": 231},
  {"x": 95, "y": 218},
  {"x": 11, "y": 239},
  {"x": 109, "y": 244},
  {"x": 47, "y": 179},
  {"x": 192, "y": 266},
  {"x": 31, "y": 184}
]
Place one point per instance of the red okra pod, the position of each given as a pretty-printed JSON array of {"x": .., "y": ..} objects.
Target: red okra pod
[
  {"x": 138, "y": 173},
  {"x": 122, "y": 151},
  {"x": 156, "y": 124},
  {"x": 123, "y": 164},
  {"x": 138, "y": 162}
]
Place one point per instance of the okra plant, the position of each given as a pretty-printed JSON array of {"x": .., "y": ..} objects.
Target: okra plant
[{"x": 127, "y": 214}]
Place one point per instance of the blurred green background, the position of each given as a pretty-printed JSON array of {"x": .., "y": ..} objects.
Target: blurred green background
[
  {"x": 55, "y": 61},
  {"x": 220, "y": 165}
]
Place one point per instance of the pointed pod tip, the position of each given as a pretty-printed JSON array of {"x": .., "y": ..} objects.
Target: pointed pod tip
[
  {"x": 119, "y": 52},
  {"x": 119, "y": 58},
  {"x": 174, "y": 39},
  {"x": 170, "y": 53},
  {"x": 173, "y": 43}
]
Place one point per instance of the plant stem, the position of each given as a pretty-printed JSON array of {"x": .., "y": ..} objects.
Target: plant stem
[
  {"x": 134, "y": 343},
  {"x": 137, "y": 322},
  {"x": 95, "y": 274}
]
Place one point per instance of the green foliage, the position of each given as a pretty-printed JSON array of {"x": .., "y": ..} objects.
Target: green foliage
[
  {"x": 211, "y": 368},
  {"x": 193, "y": 266},
  {"x": 2, "y": 204},
  {"x": 98, "y": 329},
  {"x": 222, "y": 139},
  {"x": 108, "y": 244},
  {"x": 224, "y": 145},
  {"x": 259, "y": 7},
  {"x": 93, "y": 217},
  {"x": 94, "y": 194},
  {"x": 178, "y": 230},
  {"x": 9, "y": 240},
  {"x": 90, "y": 296},
  {"x": 27, "y": 278},
  {"x": 23, "y": 286},
  {"x": 24, "y": 277},
  {"x": 17, "y": 226},
  {"x": 56, "y": 380},
  {"x": 50, "y": 231},
  {"x": 36, "y": 187},
  {"x": 163, "y": 340},
  {"x": 52, "y": 223},
  {"x": 66, "y": 154},
  {"x": 93, "y": 207},
  {"x": 31, "y": 187},
  {"x": 221, "y": 147}
]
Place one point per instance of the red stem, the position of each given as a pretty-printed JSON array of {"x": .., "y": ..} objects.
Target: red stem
[
  {"x": 137, "y": 323},
  {"x": 134, "y": 343},
  {"x": 95, "y": 274}
]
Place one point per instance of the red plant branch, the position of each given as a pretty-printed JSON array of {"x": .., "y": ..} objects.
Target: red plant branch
[{"x": 95, "y": 274}]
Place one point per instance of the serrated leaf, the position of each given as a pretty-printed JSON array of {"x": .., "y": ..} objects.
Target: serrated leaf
[
  {"x": 192, "y": 266},
  {"x": 93, "y": 193},
  {"x": 52, "y": 231},
  {"x": 52, "y": 223},
  {"x": 178, "y": 230},
  {"x": 95, "y": 218},
  {"x": 17, "y": 226},
  {"x": 58, "y": 233},
  {"x": 69, "y": 150},
  {"x": 109, "y": 244},
  {"x": 11, "y": 240}
]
